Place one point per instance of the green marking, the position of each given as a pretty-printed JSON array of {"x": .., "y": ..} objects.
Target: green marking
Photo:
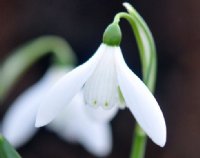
[
  {"x": 94, "y": 102},
  {"x": 121, "y": 97},
  {"x": 106, "y": 104}
]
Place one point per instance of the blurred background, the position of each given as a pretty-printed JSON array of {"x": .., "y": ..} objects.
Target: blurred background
[{"x": 175, "y": 25}]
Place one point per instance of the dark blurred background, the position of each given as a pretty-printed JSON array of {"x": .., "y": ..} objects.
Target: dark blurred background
[{"x": 175, "y": 25}]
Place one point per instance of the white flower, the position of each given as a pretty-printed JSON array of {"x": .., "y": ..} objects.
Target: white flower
[
  {"x": 104, "y": 79},
  {"x": 73, "y": 124}
]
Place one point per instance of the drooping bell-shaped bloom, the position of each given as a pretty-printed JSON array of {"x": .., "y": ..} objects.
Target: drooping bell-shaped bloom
[
  {"x": 73, "y": 124},
  {"x": 107, "y": 84}
]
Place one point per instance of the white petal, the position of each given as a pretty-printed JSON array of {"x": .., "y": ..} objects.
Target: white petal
[
  {"x": 74, "y": 125},
  {"x": 101, "y": 114},
  {"x": 141, "y": 102},
  {"x": 68, "y": 121},
  {"x": 97, "y": 139},
  {"x": 65, "y": 89},
  {"x": 101, "y": 89},
  {"x": 18, "y": 123}
]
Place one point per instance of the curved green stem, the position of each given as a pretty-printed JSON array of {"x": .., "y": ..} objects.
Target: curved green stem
[
  {"x": 148, "y": 59},
  {"x": 146, "y": 48},
  {"x": 22, "y": 58}
]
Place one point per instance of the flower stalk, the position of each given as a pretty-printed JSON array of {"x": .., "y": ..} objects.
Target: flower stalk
[
  {"x": 25, "y": 56},
  {"x": 147, "y": 51}
]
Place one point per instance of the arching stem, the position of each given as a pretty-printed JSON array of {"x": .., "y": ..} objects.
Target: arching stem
[{"x": 25, "y": 56}]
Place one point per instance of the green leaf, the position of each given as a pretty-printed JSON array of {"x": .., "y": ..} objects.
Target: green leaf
[
  {"x": 6, "y": 150},
  {"x": 146, "y": 46},
  {"x": 145, "y": 43}
]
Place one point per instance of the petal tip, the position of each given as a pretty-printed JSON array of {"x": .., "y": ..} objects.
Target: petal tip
[
  {"x": 39, "y": 124},
  {"x": 162, "y": 138},
  {"x": 41, "y": 121},
  {"x": 162, "y": 143},
  {"x": 159, "y": 141}
]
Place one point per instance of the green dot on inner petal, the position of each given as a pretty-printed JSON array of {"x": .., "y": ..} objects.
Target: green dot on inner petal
[
  {"x": 94, "y": 102},
  {"x": 106, "y": 104}
]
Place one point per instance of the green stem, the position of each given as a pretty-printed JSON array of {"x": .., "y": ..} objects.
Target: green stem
[
  {"x": 139, "y": 143},
  {"x": 147, "y": 51},
  {"x": 25, "y": 56}
]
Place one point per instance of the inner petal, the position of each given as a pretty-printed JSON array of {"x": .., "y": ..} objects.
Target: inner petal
[{"x": 101, "y": 89}]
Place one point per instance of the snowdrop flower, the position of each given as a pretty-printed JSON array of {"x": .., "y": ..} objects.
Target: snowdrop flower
[
  {"x": 73, "y": 124},
  {"x": 107, "y": 83}
]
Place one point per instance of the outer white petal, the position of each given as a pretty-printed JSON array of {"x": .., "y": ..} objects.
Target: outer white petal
[
  {"x": 65, "y": 89},
  {"x": 18, "y": 123},
  {"x": 74, "y": 125},
  {"x": 141, "y": 102},
  {"x": 101, "y": 114}
]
